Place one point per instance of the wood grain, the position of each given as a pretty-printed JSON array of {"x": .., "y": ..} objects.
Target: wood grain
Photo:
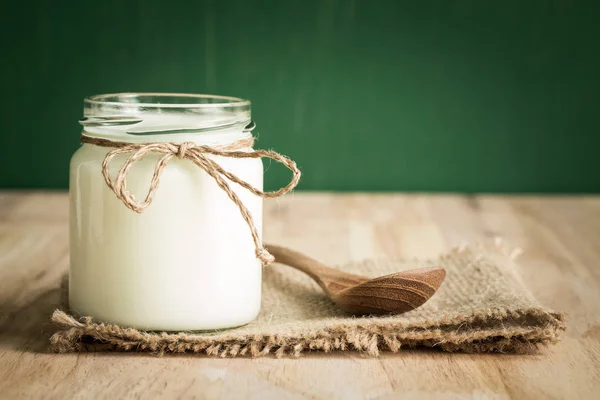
[
  {"x": 390, "y": 294},
  {"x": 560, "y": 264}
]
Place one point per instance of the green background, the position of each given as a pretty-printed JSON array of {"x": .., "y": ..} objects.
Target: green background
[{"x": 468, "y": 96}]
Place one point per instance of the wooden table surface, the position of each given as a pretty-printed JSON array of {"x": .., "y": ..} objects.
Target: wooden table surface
[{"x": 560, "y": 237}]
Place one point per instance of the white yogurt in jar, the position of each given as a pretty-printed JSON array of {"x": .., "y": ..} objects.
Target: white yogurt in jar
[{"x": 188, "y": 261}]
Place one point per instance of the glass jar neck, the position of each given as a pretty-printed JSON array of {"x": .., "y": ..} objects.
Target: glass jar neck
[{"x": 178, "y": 118}]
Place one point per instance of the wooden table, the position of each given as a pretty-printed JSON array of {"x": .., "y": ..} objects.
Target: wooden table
[{"x": 560, "y": 237}]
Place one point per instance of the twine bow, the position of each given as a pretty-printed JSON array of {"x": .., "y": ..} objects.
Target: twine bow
[{"x": 198, "y": 155}]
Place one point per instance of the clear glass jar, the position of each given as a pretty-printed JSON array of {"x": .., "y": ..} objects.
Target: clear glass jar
[{"x": 188, "y": 261}]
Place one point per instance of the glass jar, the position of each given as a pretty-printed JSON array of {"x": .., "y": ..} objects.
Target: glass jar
[{"x": 187, "y": 262}]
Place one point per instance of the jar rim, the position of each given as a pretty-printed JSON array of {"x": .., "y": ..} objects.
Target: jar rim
[
  {"x": 140, "y": 117},
  {"x": 172, "y": 100}
]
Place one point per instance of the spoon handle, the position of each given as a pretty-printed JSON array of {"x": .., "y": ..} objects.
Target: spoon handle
[{"x": 329, "y": 279}]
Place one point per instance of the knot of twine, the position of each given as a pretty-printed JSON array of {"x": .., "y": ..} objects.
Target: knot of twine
[{"x": 198, "y": 155}]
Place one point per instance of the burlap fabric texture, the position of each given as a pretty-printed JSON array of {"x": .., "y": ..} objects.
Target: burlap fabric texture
[{"x": 481, "y": 307}]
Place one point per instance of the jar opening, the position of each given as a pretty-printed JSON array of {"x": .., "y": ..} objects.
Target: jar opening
[
  {"x": 136, "y": 116},
  {"x": 166, "y": 100}
]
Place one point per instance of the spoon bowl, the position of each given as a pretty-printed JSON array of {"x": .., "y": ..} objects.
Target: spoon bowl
[{"x": 390, "y": 294}]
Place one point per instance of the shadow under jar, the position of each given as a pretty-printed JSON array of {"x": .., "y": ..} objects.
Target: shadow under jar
[{"x": 187, "y": 262}]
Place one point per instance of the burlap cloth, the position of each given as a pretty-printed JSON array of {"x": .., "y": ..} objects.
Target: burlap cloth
[{"x": 481, "y": 307}]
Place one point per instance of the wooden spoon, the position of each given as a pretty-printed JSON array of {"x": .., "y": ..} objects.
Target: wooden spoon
[{"x": 390, "y": 294}]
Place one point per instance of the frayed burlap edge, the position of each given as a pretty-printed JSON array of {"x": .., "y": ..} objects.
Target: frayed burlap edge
[
  {"x": 500, "y": 330},
  {"x": 484, "y": 332}
]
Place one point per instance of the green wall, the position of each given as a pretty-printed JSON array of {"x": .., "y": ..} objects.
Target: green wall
[{"x": 365, "y": 95}]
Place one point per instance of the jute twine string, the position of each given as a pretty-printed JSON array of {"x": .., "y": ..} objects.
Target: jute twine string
[{"x": 198, "y": 155}]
